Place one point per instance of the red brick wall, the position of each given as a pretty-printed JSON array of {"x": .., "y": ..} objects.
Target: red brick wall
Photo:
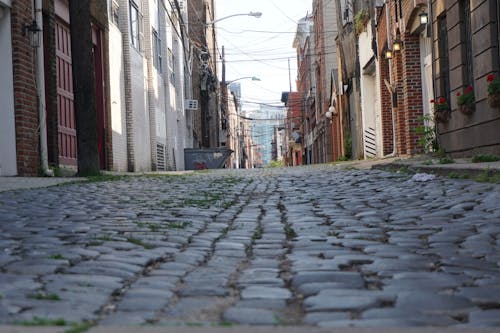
[
  {"x": 412, "y": 91},
  {"x": 25, "y": 97},
  {"x": 387, "y": 129}
]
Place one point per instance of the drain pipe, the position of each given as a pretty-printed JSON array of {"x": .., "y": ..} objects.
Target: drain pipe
[
  {"x": 40, "y": 82},
  {"x": 393, "y": 113}
]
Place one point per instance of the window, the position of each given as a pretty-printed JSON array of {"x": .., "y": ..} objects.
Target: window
[
  {"x": 135, "y": 26},
  {"x": 157, "y": 57},
  {"x": 115, "y": 13},
  {"x": 171, "y": 66},
  {"x": 466, "y": 37},
  {"x": 444, "y": 66}
]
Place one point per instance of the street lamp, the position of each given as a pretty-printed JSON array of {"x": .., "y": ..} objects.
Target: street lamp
[
  {"x": 253, "y": 78},
  {"x": 254, "y": 14}
]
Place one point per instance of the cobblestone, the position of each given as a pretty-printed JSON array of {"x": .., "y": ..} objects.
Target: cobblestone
[{"x": 311, "y": 245}]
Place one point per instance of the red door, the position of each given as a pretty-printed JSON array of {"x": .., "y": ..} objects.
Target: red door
[{"x": 65, "y": 105}]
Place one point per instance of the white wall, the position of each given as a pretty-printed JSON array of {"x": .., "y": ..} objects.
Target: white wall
[
  {"x": 8, "y": 165},
  {"x": 330, "y": 33},
  {"x": 142, "y": 143},
  {"x": 370, "y": 99},
  {"x": 117, "y": 96}
]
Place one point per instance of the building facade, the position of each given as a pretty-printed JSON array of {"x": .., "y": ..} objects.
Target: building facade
[{"x": 466, "y": 42}]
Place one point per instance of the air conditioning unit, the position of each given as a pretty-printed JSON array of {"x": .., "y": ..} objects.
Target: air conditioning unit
[{"x": 191, "y": 104}]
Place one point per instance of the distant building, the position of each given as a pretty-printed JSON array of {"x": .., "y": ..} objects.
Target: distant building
[{"x": 264, "y": 120}]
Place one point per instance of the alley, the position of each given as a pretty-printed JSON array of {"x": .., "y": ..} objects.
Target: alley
[{"x": 299, "y": 246}]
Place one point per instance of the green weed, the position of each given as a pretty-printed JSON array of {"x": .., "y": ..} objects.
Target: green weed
[
  {"x": 45, "y": 297},
  {"x": 454, "y": 175},
  {"x": 485, "y": 158},
  {"x": 56, "y": 257},
  {"x": 79, "y": 328},
  {"x": 289, "y": 231},
  {"x": 178, "y": 225},
  {"x": 37, "y": 321},
  {"x": 486, "y": 177},
  {"x": 139, "y": 243},
  {"x": 153, "y": 227},
  {"x": 276, "y": 164},
  {"x": 446, "y": 160}
]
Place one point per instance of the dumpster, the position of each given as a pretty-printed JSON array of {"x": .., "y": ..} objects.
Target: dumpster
[{"x": 206, "y": 158}]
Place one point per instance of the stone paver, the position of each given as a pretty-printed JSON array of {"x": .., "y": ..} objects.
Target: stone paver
[{"x": 300, "y": 246}]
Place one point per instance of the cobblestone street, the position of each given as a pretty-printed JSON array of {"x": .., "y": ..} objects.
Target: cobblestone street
[{"x": 300, "y": 246}]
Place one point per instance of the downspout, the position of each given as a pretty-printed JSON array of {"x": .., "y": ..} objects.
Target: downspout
[
  {"x": 150, "y": 89},
  {"x": 393, "y": 114},
  {"x": 40, "y": 82},
  {"x": 430, "y": 27}
]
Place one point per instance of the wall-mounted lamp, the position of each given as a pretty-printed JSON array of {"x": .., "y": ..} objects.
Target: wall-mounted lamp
[
  {"x": 424, "y": 18},
  {"x": 397, "y": 45},
  {"x": 34, "y": 33},
  {"x": 388, "y": 53},
  {"x": 332, "y": 111}
]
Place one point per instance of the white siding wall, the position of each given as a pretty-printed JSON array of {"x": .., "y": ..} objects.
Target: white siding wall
[
  {"x": 140, "y": 111},
  {"x": 8, "y": 165},
  {"x": 168, "y": 97},
  {"x": 117, "y": 96},
  {"x": 330, "y": 33},
  {"x": 370, "y": 93}
]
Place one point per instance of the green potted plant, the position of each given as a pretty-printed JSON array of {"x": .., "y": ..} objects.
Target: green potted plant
[
  {"x": 441, "y": 110},
  {"x": 493, "y": 90},
  {"x": 466, "y": 101}
]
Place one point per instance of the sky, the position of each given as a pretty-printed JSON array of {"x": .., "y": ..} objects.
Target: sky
[{"x": 260, "y": 47}]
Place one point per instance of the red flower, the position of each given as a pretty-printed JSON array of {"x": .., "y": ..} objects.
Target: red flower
[
  {"x": 433, "y": 101},
  {"x": 442, "y": 100},
  {"x": 458, "y": 93},
  {"x": 490, "y": 77},
  {"x": 469, "y": 89}
]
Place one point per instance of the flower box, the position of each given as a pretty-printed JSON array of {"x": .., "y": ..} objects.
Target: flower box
[
  {"x": 467, "y": 108},
  {"x": 441, "y": 116},
  {"x": 494, "y": 100}
]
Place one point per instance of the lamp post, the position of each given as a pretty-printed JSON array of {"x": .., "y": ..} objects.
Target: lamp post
[
  {"x": 205, "y": 98},
  {"x": 254, "y": 14},
  {"x": 254, "y": 78}
]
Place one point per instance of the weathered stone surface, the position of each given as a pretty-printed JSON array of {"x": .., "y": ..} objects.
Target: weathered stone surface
[
  {"x": 250, "y": 316},
  {"x": 347, "y": 278},
  {"x": 314, "y": 245},
  {"x": 263, "y": 292},
  {"x": 431, "y": 303}
]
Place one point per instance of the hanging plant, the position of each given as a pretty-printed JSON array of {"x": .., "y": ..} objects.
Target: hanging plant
[
  {"x": 360, "y": 21},
  {"x": 466, "y": 101},
  {"x": 493, "y": 90}
]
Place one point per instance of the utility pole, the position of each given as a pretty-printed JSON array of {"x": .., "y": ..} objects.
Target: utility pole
[
  {"x": 84, "y": 85},
  {"x": 223, "y": 96}
]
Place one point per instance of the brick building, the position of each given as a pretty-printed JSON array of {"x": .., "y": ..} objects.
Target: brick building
[
  {"x": 204, "y": 74},
  {"x": 306, "y": 84},
  {"x": 19, "y": 116},
  {"x": 466, "y": 44}
]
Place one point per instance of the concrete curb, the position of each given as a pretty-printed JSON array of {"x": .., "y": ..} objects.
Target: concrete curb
[
  {"x": 247, "y": 329},
  {"x": 468, "y": 170}
]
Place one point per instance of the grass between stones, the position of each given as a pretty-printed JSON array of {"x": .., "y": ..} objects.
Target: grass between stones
[
  {"x": 37, "y": 321},
  {"x": 57, "y": 257},
  {"x": 488, "y": 177},
  {"x": 139, "y": 242},
  {"x": 74, "y": 327},
  {"x": 43, "y": 296}
]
